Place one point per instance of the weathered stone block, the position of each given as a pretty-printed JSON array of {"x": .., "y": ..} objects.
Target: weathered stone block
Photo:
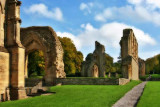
[
  {"x": 17, "y": 66},
  {"x": 17, "y": 90},
  {"x": 123, "y": 81},
  {"x": 17, "y": 93},
  {"x": 4, "y": 73}
]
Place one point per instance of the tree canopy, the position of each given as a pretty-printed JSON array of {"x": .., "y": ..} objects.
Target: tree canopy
[
  {"x": 36, "y": 63},
  {"x": 153, "y": 65},
  {"x": 72, "y": 58}
]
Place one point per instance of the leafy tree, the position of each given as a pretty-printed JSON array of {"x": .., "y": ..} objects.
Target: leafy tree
[
  {"x": 109, "y": 63},
  {"x": 117, "y": 67},
  {"x": 72, "y": 58},
  {"x": 153, "y": 65},
  {"x": 36, "y": 64}
]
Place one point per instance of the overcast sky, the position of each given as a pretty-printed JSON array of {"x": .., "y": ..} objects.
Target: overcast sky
[{"x": 86, "y": 21}]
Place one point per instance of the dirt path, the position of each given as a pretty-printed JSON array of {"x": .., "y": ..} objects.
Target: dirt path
[{"x": 131, "y": 98}]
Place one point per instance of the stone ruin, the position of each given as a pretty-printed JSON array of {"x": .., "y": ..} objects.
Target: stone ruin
[
  {"x": 94, "y": 66},
  {"x": 142, "y": 67},
  {"x": 45, "y": 39},
  {"x": 16, "y": 44},
  {"x": 129, "y": 55},
  {"x": 132, "y": 65}
]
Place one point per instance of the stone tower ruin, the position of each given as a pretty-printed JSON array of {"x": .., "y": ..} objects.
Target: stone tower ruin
[{"x": 129, "y": 55}]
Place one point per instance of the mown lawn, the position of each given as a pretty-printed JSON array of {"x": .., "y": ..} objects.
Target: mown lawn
[
  {"x": 155, "y": 75},
  {"x": 151, "y": 95},
  {"x": 76, "y": 96}
]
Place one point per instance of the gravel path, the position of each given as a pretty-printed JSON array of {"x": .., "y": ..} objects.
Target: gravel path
[{"x": 131, "y": 98}]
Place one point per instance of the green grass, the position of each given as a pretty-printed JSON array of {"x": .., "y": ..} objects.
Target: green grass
[
  {"x": 76, "y": 96},
  {"x": 151, "y": 95},
  {"x": 144, "y": 77},
  {"x": 35, "y": 76},
  {"x": 155, "y": 75}
]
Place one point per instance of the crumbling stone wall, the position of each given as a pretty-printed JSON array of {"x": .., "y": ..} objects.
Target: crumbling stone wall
[
  {"x": 94, "y": 66},
  {"x": 91, "y": 81},
  {"x": 45, "y": 39},
  {"x": 4, "y": 56},
  {"x": 129, "y": 55},
  {"x": 141, "y": 67}
]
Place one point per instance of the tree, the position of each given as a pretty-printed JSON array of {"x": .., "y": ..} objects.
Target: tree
[
  {"x": 153, "y": 64},
  {"x": 109, "y": 63},
  {"x": 72, "y": 58},
  {"x": 36, "y": 63},
  {"x": 117, "y": 66}
]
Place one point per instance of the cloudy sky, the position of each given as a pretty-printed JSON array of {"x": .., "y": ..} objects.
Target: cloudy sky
[{"x": 86, "y": 21}]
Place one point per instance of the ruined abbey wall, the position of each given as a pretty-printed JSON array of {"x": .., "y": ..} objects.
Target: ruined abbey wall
[
  {"x": 94, "y": 66},
  {"x": 142, "y": 67},
  {"x": 46, "y": 40},
  {"x": 13, "y": 54},
  {"x": 129, "y": 55}
]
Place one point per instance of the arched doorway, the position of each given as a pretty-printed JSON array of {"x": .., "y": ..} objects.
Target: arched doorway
[
  {"x": 95, "y": 71},
  {"x": 45, "y": 39},
  {"x": 35, "y": 65}
]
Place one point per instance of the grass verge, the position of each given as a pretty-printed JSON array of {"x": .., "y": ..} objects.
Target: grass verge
[
  {"x": 151, "y": 95},
  {"x": 76, "y": 96}
]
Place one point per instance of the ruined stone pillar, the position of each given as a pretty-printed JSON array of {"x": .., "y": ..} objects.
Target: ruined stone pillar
[
  {"x": 2, "y": 19},
  {"x": 26, "y": 67},
  {"x": 16, "y": 50},
  {"x": 129, "y": 55},
  {"x": 4, "y": 57}
]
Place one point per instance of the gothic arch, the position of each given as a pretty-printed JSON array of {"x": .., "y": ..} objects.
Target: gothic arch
[{"x": 45, "y": 39}]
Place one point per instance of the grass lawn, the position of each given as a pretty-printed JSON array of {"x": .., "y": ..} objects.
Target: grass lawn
[
  {"x": 76, "y": 96},
  {"x": 151, "y": 95},
  {"x": 155, "y": 75}
]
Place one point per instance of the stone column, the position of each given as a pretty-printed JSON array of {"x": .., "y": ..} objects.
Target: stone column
[
  {"x": 16, "y": 50},
  {"x": 2, "y": 19},
  {"x": 4, "y": 56},
  {"x": 26, "y": 67}
]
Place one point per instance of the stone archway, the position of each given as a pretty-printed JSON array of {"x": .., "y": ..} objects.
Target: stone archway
[
  {"x": 45, "y": 39},
  {"x": 95, "y": 71}
]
